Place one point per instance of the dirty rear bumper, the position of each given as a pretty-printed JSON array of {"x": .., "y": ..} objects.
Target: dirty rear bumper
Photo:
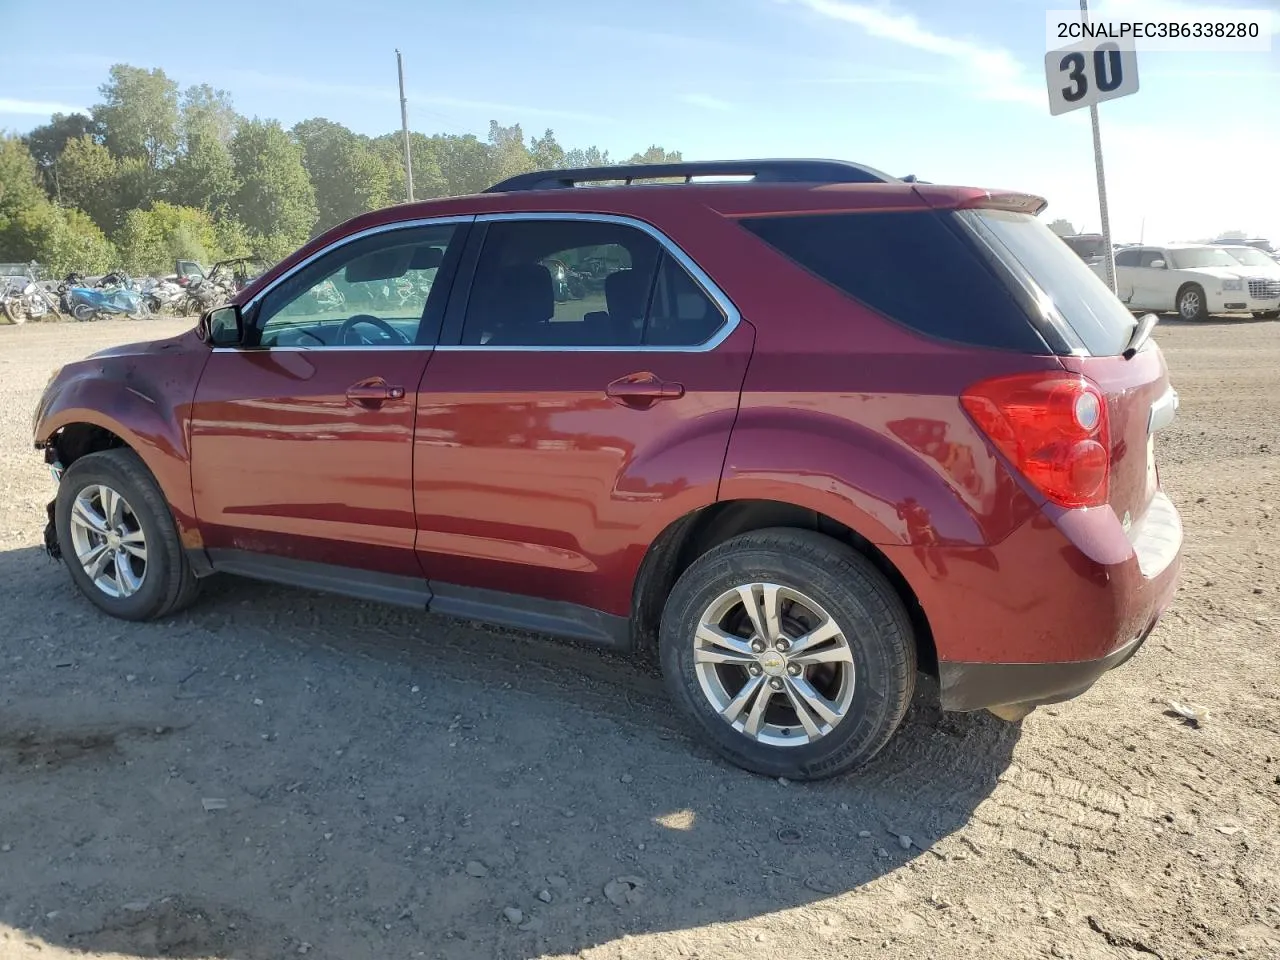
[{"x": 976, "y": 686}]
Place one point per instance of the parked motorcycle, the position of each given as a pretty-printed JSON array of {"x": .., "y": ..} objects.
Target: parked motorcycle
[
  {"x": 162, "y": 294},
  {"x": 113, "y": 295}
]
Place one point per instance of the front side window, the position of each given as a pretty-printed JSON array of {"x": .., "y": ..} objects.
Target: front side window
[
  {"x": 1149, "y": 257},
  {"x": 582, "y": 283},
  {"x": 372, "y": 292}
]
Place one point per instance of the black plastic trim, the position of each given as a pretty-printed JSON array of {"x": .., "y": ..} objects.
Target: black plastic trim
[
  {"x": 532, "y": 613},
  {"x": 361, "y": 584},
  {"x": 569, "y": 620},
  {"x": 764, "y": 171},
  {"x": 977, "y": 686}
]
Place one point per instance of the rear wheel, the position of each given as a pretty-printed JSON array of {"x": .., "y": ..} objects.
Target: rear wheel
[
  {"x": 83, "y": 312},
  {"x": 1191, "y": 303},
  {"x": 118, "y": 537},
  {"x": 790, "y": 652},
  {"x": 13, "y": 311}
]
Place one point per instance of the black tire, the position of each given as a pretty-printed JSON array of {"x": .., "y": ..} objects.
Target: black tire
[
  {"x": 854, "y": 593},
  {"x": 1189, "y": 295},
  {"x": 168, "y": 584},
  {"x": 13, "y": 311}
]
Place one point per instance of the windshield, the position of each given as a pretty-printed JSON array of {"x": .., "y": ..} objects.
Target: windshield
[
  {"x": 1250, "y": 257},
  {"x": 1098, "y": 318},
  {"x": 1192, "y": 257}
]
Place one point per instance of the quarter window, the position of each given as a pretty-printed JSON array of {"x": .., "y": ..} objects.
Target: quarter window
[{"x": 373, "y": 292}]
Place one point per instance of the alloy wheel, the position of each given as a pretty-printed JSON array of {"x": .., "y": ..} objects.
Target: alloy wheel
[
  {"x": 1189, "y": 306},
  {"x": 108, "y": 541},
  {"x": 774, "y": 664}
]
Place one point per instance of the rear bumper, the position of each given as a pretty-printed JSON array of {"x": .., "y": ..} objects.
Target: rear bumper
[
  {"x": 975, "y": 686},
  {"x": 1040, "y": 617}
]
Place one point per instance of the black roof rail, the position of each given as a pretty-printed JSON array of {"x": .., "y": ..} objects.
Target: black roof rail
[{"x": 763, "y": 171}]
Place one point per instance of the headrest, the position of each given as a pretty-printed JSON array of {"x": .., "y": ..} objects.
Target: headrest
[{"x": 626, "y": 294}]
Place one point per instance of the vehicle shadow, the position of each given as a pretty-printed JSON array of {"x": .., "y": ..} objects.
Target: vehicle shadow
[{"x": 279, "y": 772}]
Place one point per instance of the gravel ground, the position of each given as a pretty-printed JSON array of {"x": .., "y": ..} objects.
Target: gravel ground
[{"x": 278, "y": 773}]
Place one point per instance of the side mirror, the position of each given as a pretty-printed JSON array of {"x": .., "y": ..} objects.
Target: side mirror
[
  {"x": 1157, "y": 264},
  {"x": 223, "y": 327}
]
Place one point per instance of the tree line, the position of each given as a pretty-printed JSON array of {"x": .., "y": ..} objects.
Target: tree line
[{"x": 153, "y": 173}]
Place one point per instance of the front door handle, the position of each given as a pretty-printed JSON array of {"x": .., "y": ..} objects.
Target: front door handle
[
  {"x": 643, "y": 389},
  {"x": 373, "y": 391}
]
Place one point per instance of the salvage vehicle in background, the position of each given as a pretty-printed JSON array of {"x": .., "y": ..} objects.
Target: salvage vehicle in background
[
  {"x": 1196, "y": 281},
  {"x": 774, "y": 458},
  {"x": 1264, "y": 276}
]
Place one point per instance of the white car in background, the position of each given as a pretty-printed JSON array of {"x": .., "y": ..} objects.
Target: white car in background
[
  {"x": 1193, "y": 280},
  {"x": 1261, "y": 267}
]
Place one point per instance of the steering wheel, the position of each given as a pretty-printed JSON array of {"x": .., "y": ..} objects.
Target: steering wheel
[{"x": 387, "y": 329}]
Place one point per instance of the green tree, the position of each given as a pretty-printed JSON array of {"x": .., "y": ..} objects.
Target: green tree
[
  {"x": 508, "y": 155},
  {"x": 139, "y": 114},
  {"x": 590, "y": 157},
  {"x": 349, "y": 175},
  {"x": 546, "y": 153},
  {"x": 19, "y": 179},
  {"x": 275, "y": 199},
  {"x": 151, "y": 240},
  {"x": 208, "y": 112},
  {"x": 86, "y": 177},
  {"x": 204, "y": 175},
  {"x": 656, "y": 154},
  {"x": 428, "y": 181},
  {"x": 463, "y": 162},
  {"x": 47, "y": 142},
  {"x": 64, "y": 239}
]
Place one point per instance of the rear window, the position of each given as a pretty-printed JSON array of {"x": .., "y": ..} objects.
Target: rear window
[
  {"x": 917, "y": 268},
  {"x": 1063, "y": 285}
]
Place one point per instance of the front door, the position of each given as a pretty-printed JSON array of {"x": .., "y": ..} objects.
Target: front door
[
  {"x": 302, "y": 438},
  {"x": 582, "y": 398}
]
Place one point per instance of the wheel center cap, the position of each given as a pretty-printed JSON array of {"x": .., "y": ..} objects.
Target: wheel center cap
[
  {"x": 113, "y": 541},
  {"x": 773, "y": 663}
]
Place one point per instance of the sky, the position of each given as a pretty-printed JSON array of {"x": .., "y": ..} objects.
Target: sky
[{"x": 950, "y": 90}]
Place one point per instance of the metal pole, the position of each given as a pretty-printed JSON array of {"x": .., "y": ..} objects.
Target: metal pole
[
  {"x": 1108, "y": 253},
  {"x": 404, "y": 126}
]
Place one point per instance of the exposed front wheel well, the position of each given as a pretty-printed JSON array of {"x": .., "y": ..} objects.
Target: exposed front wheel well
[
  {"x": 695, "y": 533},
  {"x": 73, "y": 441}
]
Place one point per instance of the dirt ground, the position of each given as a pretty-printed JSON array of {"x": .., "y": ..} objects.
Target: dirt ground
[{"x": 391, "y": 783}]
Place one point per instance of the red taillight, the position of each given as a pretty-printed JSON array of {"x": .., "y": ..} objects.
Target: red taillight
[{"x": 1053, "y": 428}]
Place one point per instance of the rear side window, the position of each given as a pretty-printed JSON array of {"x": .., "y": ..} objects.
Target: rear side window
[
  {"x": 1068, "y": 290},
  {"x": 916, "y": 268}
]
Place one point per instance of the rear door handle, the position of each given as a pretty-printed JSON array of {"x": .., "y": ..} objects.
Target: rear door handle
[
  {"x": 373, "y": 391},
  {"x": 643, "y": 389}
]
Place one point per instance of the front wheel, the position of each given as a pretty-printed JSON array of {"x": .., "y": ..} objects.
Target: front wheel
[
  {"x": 118, "y": 537},
  {"x": 83, "y": 312},
  {"x": 1191, "y": 303},
  {"x": 790, "y": 652}
]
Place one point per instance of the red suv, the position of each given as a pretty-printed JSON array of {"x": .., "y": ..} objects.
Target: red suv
[{"x": 801, "y": 431}]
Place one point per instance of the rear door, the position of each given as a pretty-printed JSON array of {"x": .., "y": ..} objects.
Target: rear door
[
  {"x": 1127, "y": 263},
  {"x": 560, "y": 429},
  {"x": 302, "y": 438}
]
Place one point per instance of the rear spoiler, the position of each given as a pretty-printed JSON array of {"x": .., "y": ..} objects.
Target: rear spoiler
[{"x": 1013, "y": 202}]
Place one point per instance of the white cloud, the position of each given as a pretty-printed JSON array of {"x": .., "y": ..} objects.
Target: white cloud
[
  {"x": 997, "y": 75},
  {"x": 37, "y": 108},
  {"x": 706, "y": 101}
]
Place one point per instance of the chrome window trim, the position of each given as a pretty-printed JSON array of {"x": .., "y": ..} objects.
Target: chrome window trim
[
  {"x": 717, "y": 296},
  {"x": 732, "y": 316}
]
